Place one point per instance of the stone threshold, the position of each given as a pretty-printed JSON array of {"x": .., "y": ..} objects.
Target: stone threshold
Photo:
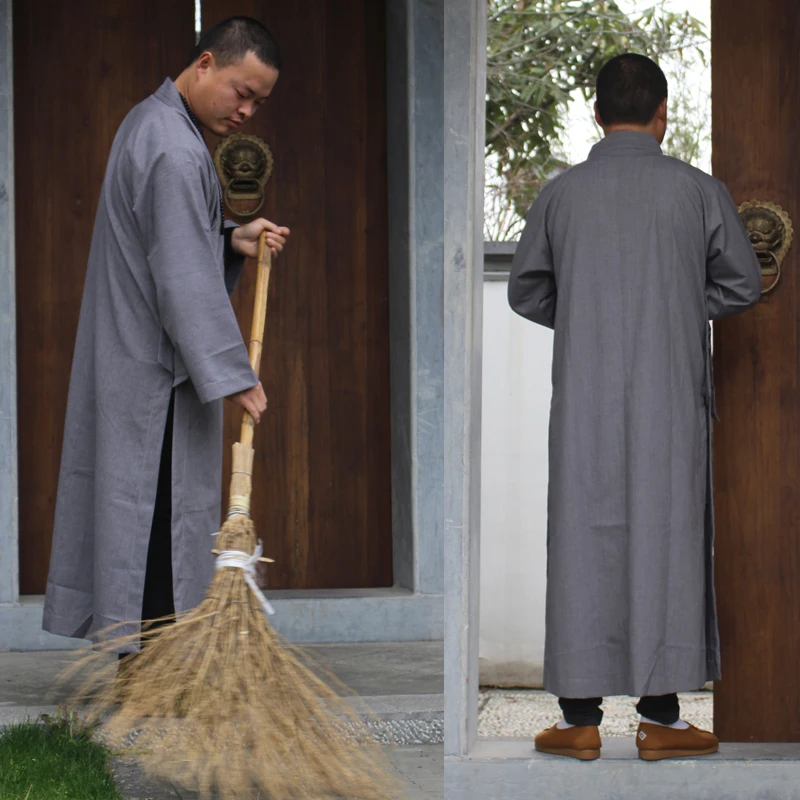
[{"x": 510, "y": 769}]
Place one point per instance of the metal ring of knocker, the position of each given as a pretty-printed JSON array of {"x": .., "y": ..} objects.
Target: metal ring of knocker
[
  {"x": 777, "y": 275},
  {"x": 246, "y": 214}
]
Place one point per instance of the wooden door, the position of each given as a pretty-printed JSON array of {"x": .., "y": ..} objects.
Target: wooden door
[
  {"x": 78, "y": 69},
  {"x": 322, "y": 474},
  {"x": 322, "y": 490},
  {"x": 756, "y": 92}
]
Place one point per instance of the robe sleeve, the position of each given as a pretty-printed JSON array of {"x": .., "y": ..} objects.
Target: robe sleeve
[
  {"x": 733, "y": 274},
  {"x": 234, "y": 262},
  {"x": 532, "y": 284},
  {"x": 191, "y": 291}
]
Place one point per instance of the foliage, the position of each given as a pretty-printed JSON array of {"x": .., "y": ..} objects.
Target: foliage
[
  {"x": 69, "y": 724},
  {"x": 542, "y": 52},
  {"x": 688, "y": 126},
  {"x": 57, "y": 760}
]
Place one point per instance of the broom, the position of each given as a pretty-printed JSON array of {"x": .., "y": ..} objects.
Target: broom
[{"x": 218, "y": 700}]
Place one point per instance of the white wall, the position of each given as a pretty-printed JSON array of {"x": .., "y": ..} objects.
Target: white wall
[{"x": 517, "y": 356}]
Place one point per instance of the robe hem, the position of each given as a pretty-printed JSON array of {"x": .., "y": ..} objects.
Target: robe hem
[{"x": 690, "y": 681}]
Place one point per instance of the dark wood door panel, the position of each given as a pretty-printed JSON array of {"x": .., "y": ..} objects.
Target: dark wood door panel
[
  {"x": 322, "y": 475},
  {"x": 78, "y": 69},
  {"x": 756, "y": 89}
]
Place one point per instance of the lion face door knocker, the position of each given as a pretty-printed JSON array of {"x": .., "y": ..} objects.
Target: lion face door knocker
[
  {"x": 770, "y": 230},
  {"x": 244, "y": 165}
]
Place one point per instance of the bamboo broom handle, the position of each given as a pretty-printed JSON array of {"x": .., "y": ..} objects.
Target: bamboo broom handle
[
  {"x": 242, "y": 462},
  {"x": 257, "y": 328}
]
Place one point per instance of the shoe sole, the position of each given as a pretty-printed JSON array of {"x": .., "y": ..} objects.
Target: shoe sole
[
  {"x": 581, "y": 755},
  {"x": 657, "y": 755}
]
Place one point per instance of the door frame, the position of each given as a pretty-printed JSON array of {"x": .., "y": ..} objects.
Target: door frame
[
  {"x": 485, "y": 769},
  {"x": 413, "y": 608}
]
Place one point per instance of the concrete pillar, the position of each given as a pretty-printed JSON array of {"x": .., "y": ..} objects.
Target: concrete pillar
[
  {"x": 464, "y": 118},
  {"x": 9, "y": 521},
  {"x": 416, "y": 232}
]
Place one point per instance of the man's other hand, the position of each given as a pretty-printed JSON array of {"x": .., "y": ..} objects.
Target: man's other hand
[
  {"x": 244, "y": 239},
  {"x": 254, "y": 401}
]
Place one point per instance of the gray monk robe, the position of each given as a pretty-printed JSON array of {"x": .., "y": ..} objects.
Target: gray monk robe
[
  {"x": 155, "y": 315},
  {"x": 627, "y": 256}
]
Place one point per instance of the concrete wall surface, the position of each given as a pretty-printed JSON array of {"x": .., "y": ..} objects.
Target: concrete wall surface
[{"x": 516, "y": 406}]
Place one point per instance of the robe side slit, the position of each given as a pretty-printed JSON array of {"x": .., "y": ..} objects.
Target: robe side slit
[{"x": 158, "y": 599}]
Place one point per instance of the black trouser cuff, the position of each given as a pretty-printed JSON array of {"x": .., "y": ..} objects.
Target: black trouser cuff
[
  {"x": 581, "y": 711},
  {"x": 662, "y": 708},
  {"x": 586, "y": 710}
]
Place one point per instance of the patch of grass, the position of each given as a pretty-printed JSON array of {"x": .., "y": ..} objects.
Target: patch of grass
[{"x": 54, "y": 760}]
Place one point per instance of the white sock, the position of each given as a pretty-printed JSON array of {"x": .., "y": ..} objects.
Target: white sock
[
  {"x": 680, "y": 724},
  {"x": 562, "y": 723}
]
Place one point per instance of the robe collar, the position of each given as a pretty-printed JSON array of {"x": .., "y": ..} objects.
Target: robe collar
[
  {"x": 168, "y": 94},
  {"x": 626, "y": 143}
]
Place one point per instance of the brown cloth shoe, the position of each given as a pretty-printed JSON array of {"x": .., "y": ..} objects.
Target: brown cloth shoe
[
  {"x": 657, "y": 741},
  {"x": 580, "y": 741}
]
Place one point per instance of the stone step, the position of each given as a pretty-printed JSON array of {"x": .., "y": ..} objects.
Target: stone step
[{"x": 510, "y": 769}]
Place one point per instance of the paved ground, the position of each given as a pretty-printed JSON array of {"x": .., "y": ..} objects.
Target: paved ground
[
  {"x": 402, "y": 669},
  {"x": 522, "y": 714},
  {"x": 420, "y": 769},
  {"x": 402, "y": 683}
]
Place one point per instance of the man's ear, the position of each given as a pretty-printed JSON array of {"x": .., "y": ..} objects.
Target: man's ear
[
  {"x": 661, "y": 111},
  {"x": 205, "y": 62},
  {"x": 597, "y": 116}
]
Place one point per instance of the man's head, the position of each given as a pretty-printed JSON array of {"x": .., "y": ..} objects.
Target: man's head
[
  {"x": 632, "y": 95},
  {"x": 232, "y": 71}
]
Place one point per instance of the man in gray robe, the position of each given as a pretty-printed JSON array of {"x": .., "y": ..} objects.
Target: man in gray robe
[
  {"x": 627, "y": 257},
  {"x": 158, "y": 347}
]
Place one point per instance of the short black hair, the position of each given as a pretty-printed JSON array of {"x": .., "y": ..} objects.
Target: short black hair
[
  {"x": 630, "y": 88},
  {"x": 233, "y": 38}
]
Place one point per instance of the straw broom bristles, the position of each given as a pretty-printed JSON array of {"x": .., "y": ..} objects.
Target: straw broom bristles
[{"x": 219, "y": 701}]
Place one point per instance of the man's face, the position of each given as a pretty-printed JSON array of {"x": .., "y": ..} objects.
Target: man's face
[{"x": 225, "y": 98}]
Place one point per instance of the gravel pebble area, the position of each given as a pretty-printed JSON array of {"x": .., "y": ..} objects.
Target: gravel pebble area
[
  {"x": 522, "y": 714},
  {"x": 408, "y": 732}
]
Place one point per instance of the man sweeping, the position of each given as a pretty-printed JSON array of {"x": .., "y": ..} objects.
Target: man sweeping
[
  {"x": 627, "y": 256},
  {"x": 158, "y": 348}
]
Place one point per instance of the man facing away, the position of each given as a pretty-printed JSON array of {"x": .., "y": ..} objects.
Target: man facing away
[
  {"x": 157, "y": 348},
  {"x": 627, "y": 256}
]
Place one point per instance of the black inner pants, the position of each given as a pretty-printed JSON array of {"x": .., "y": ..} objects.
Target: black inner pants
[
  {"x": 586, "y": 710},
  {"x": 158, "y": 599}
]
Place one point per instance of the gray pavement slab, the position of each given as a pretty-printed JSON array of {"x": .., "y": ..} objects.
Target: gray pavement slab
[
  {"x": 403, "y": 668},
  {"x": 509, "y": 769},
  {"x": 401, "y": 683},
  {"x": 419, "y": 768},
  {"x": 31, "y": 679},
  {"x": 384, "y": 669}
]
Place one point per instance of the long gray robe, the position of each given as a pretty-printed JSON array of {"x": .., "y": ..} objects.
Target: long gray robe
[
  {"x": 155, "y": 314},
  {"x": 627, "y": 256}
]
